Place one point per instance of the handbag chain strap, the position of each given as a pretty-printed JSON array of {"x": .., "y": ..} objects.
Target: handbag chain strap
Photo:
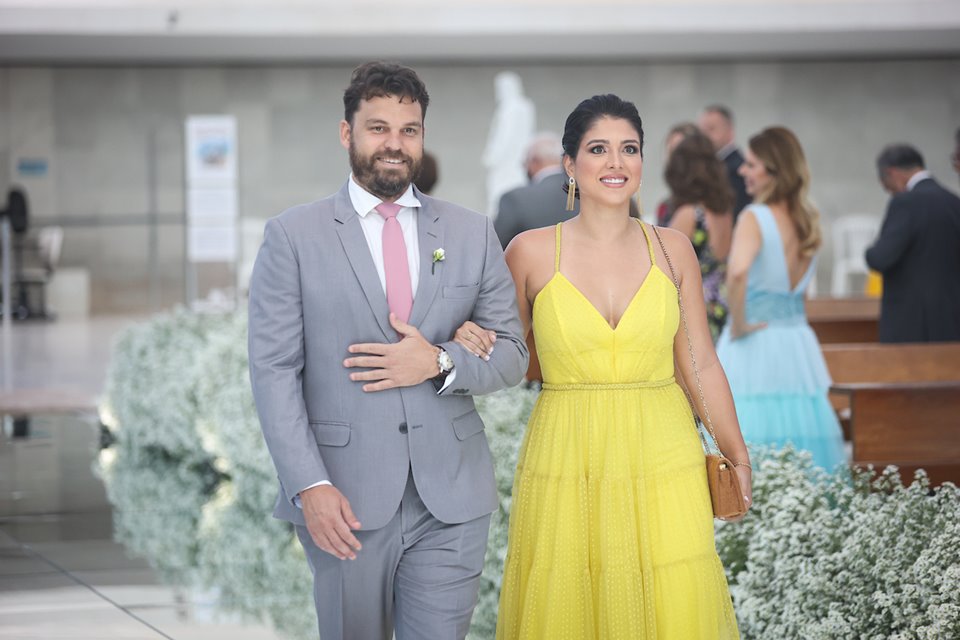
[{"x": 693, "y": 359}]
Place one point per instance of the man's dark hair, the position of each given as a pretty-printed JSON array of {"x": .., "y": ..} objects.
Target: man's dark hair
[
  {"x": 899, "y": 156},
  {"x": 381, "y": 79},
  {"x": 722, "y": 109},
  {"x": 429, "y": 174}
]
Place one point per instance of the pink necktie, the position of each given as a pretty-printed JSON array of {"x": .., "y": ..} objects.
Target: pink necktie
[{"x": 395, "y": 266}]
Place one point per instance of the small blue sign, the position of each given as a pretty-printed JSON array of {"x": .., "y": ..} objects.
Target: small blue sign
[{"x": 32, "y": 167}]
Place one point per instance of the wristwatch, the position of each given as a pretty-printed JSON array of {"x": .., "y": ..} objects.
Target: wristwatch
[{"x": 444, "y": 362}]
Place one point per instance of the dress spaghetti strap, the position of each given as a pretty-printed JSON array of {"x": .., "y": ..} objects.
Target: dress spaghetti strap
[{"x": 653, "y": 260}]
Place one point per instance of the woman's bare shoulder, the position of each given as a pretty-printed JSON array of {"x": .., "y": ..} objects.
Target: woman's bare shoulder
[
  {"x": 677, "y": 246},
  {"x": 533, "y": 244},
  {"x": 673, "y": 239}
]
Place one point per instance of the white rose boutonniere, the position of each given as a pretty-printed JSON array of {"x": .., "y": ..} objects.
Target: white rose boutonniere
[{"x": 439, "y": 255}]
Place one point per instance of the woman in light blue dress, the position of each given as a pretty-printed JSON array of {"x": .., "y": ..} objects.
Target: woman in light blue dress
[{"x": 768, "y": 350}]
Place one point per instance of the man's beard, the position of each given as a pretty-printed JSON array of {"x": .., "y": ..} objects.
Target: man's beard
[{"x": 385, "y": 183}]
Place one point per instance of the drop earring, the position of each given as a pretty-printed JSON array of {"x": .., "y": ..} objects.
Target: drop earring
[
  {"x": 571, "y": 193},
  {"x": 639, "y": 201}
]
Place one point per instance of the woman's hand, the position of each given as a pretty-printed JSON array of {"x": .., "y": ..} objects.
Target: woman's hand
[
  {"x": 475, "y": 339},
  {"x": 739, "y": 331},
  {"x": 746, "y": 477}
]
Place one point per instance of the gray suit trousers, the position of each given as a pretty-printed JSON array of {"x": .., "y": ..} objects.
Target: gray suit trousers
[{"x": 416, "y": 576}]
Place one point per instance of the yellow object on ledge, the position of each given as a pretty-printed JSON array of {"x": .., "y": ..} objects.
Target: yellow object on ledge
[{"x": 874, "y": 285}]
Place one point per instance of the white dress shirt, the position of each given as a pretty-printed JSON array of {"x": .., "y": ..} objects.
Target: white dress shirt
[
  {"x": 372, "y": 223},
  {"x": 726, "y": 150},
  {"x": 365, "y": 203},
  {"x": 917, "y": 177}
]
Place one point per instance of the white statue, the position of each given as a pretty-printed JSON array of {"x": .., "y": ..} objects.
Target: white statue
[{"x": 510, "y": 133}]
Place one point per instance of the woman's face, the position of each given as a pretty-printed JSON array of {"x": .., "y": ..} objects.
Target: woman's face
[
  {"x": 755, "y": 175},
  {"x": 608, "y": 167}
]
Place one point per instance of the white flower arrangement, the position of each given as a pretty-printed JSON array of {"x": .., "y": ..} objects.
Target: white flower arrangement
[
  {"x": 843, "y": 557},
  {"x": 505, "y": 415},
  {"x": 818, "y": 557}
]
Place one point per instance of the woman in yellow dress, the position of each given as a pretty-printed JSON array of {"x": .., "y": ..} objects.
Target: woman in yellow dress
[{"x": 611, "y": 528}]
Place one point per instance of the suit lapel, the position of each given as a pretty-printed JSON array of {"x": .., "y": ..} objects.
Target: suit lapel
[
  {"x": 347, "y": 225},
  {"x": 430, "y": 236}
]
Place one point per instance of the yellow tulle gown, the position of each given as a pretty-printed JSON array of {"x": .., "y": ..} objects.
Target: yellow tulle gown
[{"x": 611, "y": 529}]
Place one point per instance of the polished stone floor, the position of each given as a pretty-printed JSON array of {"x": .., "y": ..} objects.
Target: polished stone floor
[{"x": 61, "y": 573}]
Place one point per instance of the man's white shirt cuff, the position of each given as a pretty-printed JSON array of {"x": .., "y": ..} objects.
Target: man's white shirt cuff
[
  {"x": 448, "y": 381},
  {"x": 296, "y": 498}
]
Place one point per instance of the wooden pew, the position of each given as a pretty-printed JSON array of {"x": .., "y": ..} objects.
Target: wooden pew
[
  {"x": 900, "y": 404},
  {"x": 919, "y": 362},
  {"x": 844, "y": 320},
  {"x": 912, "y": 425}
]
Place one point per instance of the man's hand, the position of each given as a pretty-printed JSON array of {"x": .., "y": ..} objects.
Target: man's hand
[
  {"x": 399, "y": 364},
  {"x": 330, "y": 521}
]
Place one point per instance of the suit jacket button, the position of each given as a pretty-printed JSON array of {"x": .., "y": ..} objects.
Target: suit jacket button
[{"x": 403, "y": 427}]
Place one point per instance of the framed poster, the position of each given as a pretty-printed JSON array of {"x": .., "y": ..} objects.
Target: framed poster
[{"x": 211, "y": 146}]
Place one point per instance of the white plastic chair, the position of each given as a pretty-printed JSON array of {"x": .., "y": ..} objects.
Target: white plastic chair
[{"x": 852, "y": 236}]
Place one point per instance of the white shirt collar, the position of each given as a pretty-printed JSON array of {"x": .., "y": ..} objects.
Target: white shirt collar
[
  {"x": 364, "y": 202},
  {"x": 917, "y": 177},
  {"x": 726, "y": 150}
]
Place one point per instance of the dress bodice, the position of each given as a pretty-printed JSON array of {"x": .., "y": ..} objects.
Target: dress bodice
[
  {"x": 576, "y": 344},
  {"x": 769, "y": 295}
]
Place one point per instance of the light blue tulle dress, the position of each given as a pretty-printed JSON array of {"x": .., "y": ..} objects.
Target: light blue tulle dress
[{"x": 777, "y": 374}]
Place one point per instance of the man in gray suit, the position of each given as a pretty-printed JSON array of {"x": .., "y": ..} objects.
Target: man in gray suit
[
  {"x": 542, "y": 203},
  {"x": 364, "y": 400}
]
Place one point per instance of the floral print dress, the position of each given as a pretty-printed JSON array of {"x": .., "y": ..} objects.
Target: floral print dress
[{"x": 714, "y": 273}]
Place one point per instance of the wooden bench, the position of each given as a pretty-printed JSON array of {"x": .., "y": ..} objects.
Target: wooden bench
[
  {"x": 844, "y": 320},
  {"x": 900, "y": 404},
  {"x": 912, "y": 425}
]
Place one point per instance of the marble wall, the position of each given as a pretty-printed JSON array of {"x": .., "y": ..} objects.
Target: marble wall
[{"x": 112, "y": 139}]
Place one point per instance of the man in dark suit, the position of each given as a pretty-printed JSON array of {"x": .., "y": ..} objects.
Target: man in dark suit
[
  {"x": 716, "y": 122},
  {"x": 955, "y": 156},
  {"x": 541, "y": 203},
  {"x": 918, "y": 252}
]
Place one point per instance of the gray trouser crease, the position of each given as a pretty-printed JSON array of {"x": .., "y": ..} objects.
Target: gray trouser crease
[{"x": 416, "y": 575}]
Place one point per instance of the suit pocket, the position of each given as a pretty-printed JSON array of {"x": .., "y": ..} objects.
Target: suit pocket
[
  {"x": 331, "y": 434},
  {"x": 464, "y": 292},
  {"x": 469, "y": 424}
]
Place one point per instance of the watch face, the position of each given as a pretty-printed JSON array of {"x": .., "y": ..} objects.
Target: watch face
[{"x": 445, "y": 361}]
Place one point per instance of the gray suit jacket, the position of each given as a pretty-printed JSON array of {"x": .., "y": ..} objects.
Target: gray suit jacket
[
  {"x": 315, "y": 291},
  {"x": 541, "y": 204}
]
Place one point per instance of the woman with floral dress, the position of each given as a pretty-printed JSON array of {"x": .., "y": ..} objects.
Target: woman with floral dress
[{"x": 702, "y": 199}]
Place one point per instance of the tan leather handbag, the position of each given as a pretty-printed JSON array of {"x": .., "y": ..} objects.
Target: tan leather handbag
[{"x": 726, "y": 494}]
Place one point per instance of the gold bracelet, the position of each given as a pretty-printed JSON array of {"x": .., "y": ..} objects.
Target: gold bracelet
[{"x": 743, "y": 464}]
